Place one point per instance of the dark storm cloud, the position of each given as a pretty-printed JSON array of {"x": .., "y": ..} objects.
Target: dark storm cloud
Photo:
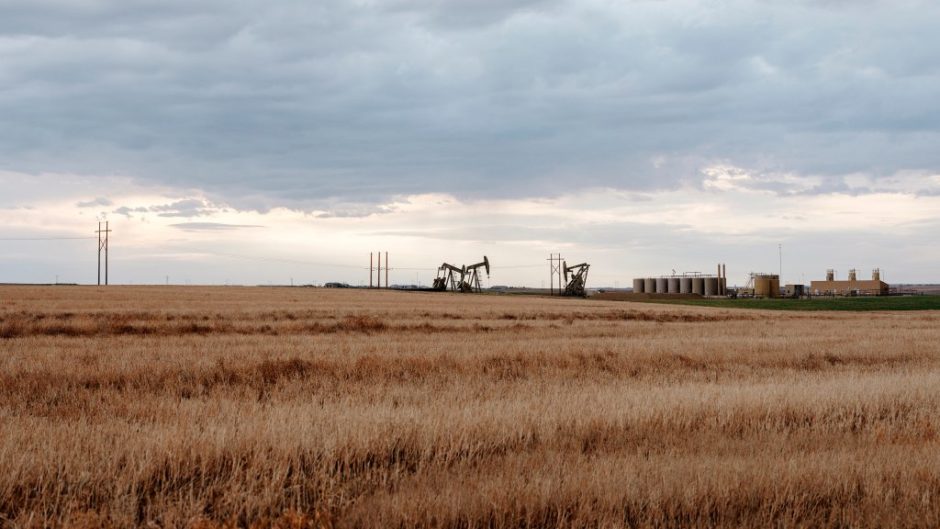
[{"x": 309, "y": 103}]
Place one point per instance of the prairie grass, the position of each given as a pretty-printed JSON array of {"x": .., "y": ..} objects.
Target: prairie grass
[{"x": 264, "y": 407}]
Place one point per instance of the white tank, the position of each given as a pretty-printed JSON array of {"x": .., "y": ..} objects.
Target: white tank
[
  {"x": 638, "y": 285},
  {"x": 662, "y": 286},
  {"x": 711, "y": 286},
  {"x": 649, "y": 285},
  {"x": 685, "y": 285},
  {"x": 672, "y": 284},
  {"x": 698, "y": 285}
]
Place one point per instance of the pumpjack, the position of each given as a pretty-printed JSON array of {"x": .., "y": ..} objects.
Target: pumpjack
[
  {"x": 473, "y": 282},
  {"x": 578, "y": 278},
  {"x": 461, "y": 279},
  {"x": 446, "y": 278}
]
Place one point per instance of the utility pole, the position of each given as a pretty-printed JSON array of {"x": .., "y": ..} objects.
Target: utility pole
[
  {"x": 780, "y": 255},
  {"x": 386, "y": 269},
  {"x": 103, "y": 245},
  {"x": 370, "y": 269},
  {"x": 378, "y": 276},
  {"x": 554, "y": 269}
]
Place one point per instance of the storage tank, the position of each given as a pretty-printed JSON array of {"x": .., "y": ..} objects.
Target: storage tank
[
  {"x": 638, "y": 284},
  {"x": 672, "y": 284},
  {"x": 876, "y": 274},
  {"x": 852, "y": 275},
  {"x": 724, "y": 285},
  {"x": 685, "y": 285},
  {"x": 698, "y": 285},
  {"x": 767, "y": 286},
  {"x": 711, "y": 286},
  {"x": 649, "y": 285},
  {"x": 662, "y": 286}
]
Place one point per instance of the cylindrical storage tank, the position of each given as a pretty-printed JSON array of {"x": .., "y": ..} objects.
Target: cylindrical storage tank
[
  {"x": 724, "y": 285},
  {"x": 649, "y": 285},
  {"x": 775, "y": 287},
  {"x": 711, "y": 286},
  {"x": 672, "y": 284},
  {"x": 698, "y": 285},
  {"x": 662, "y": 286},
  {"x": 638, "y": 286},
  {"x": 685, "y": 285},
  {"x": 763, "y": 287}
]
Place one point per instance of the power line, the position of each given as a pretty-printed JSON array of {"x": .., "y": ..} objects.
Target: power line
[
  {"x": 278, "y": 260},
  {"x": 47, "y": 238}
]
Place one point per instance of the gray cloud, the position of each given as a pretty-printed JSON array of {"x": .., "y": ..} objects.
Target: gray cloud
[
  {"x": 192, "y": 207},
  {"x": 100, "y": 201},
  {"x": 212, "y": 226},
  {"x": 312, "y": 103}
]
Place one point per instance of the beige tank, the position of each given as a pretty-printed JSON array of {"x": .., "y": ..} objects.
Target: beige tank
[
  {"x": 766, "y": 286},
  {"x": 649, "y": 285},
  {"x": 698, "y": 285},
  {"x": 711, "y": 286},
  {"x": 685, "y": 285},
  {"x": 672, "y": 285},
  {"x": 638, "y": 284}
]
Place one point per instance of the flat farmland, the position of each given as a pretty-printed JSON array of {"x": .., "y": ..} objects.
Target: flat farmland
[{"x": 289, "y": 407}]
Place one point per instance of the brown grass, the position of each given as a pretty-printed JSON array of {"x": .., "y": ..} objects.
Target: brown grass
[{"x": 293, "y": 408}]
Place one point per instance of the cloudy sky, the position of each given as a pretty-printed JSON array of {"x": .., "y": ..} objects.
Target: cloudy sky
[{"x": 229, "y": 141}]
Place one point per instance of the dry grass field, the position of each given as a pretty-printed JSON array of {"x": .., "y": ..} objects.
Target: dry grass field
[{"x": 267, "y": 407}]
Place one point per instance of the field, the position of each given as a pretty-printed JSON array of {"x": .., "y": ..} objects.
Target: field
[
  {"x": 291, "y": 407},
  {"x": 855, "y": 304}
]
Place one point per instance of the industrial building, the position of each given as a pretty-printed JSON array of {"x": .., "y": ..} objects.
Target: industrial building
[
  {"x": 687, "y": 283},
  {"x": 851, "y": 286}
]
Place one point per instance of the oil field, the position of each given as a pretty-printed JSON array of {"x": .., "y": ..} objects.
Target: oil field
[
  {"x": 452, "y": 264},
  {"x": 212, "y": 407}
]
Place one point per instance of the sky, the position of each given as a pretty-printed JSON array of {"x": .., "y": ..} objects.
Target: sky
[{"x": 238, "y": 142}]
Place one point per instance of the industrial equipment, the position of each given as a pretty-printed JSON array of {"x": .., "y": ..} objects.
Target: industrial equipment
[
  {"x": 473, "y": 283},
  {"x": 446, "y": 279},
  {"x": 461, "y": 279},
  {"x": 578, "y": 278}
]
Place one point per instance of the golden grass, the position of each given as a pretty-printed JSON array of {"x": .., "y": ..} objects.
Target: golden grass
[{"x": 257, "y": 407}]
